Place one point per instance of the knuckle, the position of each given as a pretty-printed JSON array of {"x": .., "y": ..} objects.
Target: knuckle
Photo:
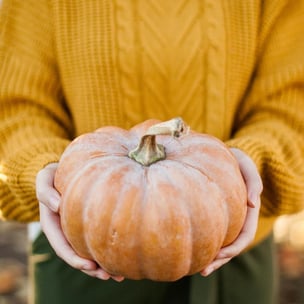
[
  {"x": 61, "y": 256},
  {"x": 60, "y": 252},
  {"x": 40, "y": 194},
  {"x": 72, "y": 260}
]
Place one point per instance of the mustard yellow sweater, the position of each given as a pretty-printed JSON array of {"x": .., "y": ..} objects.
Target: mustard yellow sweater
[{"x": 231, "y": 68}]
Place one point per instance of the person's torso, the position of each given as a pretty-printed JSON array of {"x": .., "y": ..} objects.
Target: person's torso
[{"x": 125, "y": 61}]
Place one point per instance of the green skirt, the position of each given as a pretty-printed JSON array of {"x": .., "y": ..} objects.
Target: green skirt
[{"x": 249, "y": 278}]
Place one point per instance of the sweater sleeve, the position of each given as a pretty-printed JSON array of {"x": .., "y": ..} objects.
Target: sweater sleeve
[
  {"x": 270, "y": 124},
  {"x": 34, "y": 125}
]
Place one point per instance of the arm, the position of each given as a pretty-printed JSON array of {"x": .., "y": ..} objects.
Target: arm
[
  {"x": 269, "y": 129},
  {"x": 34, "y": 125},
  {"x": 270, "y": 125}
]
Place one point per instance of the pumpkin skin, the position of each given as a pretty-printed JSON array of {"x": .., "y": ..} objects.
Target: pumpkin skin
[{"x": 160, "y": 222}]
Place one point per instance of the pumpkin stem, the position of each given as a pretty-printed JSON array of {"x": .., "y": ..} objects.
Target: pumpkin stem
[{"x": 149, "y": 151}]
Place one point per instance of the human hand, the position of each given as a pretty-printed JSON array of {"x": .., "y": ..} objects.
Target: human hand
[
  {"x": 49, "y": 200},
  {"x": 254, "y": 189}
]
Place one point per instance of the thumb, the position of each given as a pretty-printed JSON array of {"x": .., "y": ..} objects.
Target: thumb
[
  {"x": 251, "y": 177},
  {"x": 45, "y": 191}
]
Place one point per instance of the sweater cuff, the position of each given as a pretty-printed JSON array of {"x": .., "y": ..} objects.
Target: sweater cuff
[
  {"x": 18, "y": 200},
  {"x": 251, "y": 147},
  {"x": 282, "y": 188}
]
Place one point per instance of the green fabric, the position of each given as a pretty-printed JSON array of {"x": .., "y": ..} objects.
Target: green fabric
[{"x": 248, "y": 279}]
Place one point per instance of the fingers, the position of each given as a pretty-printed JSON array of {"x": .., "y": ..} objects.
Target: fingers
[
  {"x": 216, "y": 264},
  {"x": 102, "y": 275},
  {"x": 254, "y": 189},
  {"x": 51, "y": 227},
  {"x": 45, "y": 191},
  {"x": 244, "y": 239},
  {"x": 49, "y": 200},
  {"x": 50, "y": 223},
  {"x": 251, "y": 176}
]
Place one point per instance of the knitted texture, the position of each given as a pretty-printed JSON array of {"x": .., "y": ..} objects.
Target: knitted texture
[{"x": 233, "y": 69}]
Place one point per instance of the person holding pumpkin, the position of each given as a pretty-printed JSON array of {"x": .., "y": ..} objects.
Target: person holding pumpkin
[{"x": 232, "y": 70}]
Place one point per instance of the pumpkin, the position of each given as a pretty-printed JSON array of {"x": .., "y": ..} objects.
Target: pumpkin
[{"x": 156, "y": 201}]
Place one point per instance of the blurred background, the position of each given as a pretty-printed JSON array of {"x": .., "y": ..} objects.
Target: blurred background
[{"x": 289, "y": 237}]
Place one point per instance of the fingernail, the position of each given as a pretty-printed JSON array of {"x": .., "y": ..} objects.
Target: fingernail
[
  {"x": 252, "y": 199},
  {"x": 118, "y": 279},
  {"x": 87, "y": 267},
  {"x": 207, "y": 271},
  {"x": 251, "y": 204},
  {"x": 54, "y": 203},
  {"x": 221, "y": 255},
  {"x": 103, "y": 276}
]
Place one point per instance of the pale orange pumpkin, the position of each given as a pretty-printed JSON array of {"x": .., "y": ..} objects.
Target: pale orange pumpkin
[{"x": 161, "y": 211}]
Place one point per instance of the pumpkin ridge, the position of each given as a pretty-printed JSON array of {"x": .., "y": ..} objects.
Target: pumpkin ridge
[
  {"x": 102, "y": 140},
  {"x": 202, "y": 172},
  {"x": 145, "y": 181},
  {"x": 211, "y": 180},
  {"x": 181, "y": 164},
  {"x": 77, "y": 179},
  {"x": 188, "y": 236},
  {"x": 66, "y": 197},
  {"x": 86, "y": 211},
  {"x": 116, "y": 215},
  {"x": 99, "y": 154}
]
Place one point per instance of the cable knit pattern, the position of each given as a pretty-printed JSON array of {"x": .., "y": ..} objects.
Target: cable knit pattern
[
  {"x": 234, "y": 69},
  {"x": 159, "y": 46}
]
